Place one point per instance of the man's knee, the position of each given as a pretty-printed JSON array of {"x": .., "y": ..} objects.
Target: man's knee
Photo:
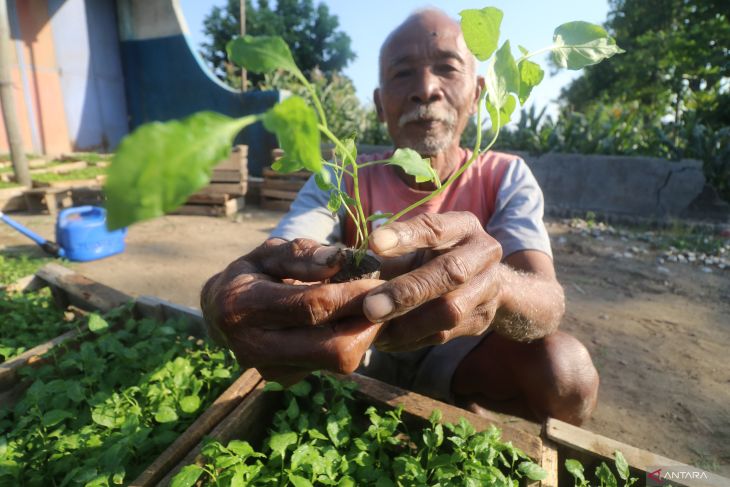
[{"x": 572, "y": 392}]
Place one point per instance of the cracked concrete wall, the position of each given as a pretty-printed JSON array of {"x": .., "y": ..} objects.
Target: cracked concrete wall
[{"x": 642, "y": 187}]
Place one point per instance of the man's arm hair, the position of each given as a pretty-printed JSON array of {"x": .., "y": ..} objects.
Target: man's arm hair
[{"x": 533, "y": 302}]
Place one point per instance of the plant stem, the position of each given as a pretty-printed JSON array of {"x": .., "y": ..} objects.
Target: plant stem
[
  {"x": 338, "y": 167},
  {"x": 313, "y": 94},
  {"x": 535, "y": 53},
  {"x": 361, "y": 221}
]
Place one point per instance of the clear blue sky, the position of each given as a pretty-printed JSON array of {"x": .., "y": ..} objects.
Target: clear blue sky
[{"x": 526, "y": 22}]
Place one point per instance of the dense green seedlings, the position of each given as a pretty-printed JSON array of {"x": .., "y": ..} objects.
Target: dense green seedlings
[
  {"x": 102, "y": 411},
  {"x": 29, "y": 319},
  {"x": 323, "y": 436}
]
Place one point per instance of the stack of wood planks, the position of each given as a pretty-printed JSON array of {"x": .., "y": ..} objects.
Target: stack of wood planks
[{"x": 225, "y": 195}]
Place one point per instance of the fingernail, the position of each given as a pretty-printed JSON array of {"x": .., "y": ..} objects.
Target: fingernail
[
  {"x": 384, "y": 239},
  {"x": 377, "y": 306},
  {"x": 325, "y": 256}
]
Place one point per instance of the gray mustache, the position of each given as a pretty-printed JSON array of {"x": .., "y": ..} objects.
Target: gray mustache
[{"x": 427, "y": 112}]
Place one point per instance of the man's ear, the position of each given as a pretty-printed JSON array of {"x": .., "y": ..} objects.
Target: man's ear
[
  {"x": 477, "y": 93},
  {"x": 378, "y": 105}
]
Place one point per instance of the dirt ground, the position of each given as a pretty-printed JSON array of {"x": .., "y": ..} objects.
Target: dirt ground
[{"x": 659, "y": 335}]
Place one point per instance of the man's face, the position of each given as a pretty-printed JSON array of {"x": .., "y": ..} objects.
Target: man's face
[{"x": 428, "y": 87}]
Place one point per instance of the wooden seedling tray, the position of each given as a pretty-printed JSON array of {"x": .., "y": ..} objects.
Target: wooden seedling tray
[
  {"x": 68, "y": 288},
  {"x": 71, "y": 288},
  {"x": 250, "y": 419},
  {"x": 591, "y": 448}
]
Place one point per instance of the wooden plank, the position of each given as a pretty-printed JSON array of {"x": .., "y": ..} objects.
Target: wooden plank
[
  {"x": 283, "y": 185},
  {"x": 240, "y": 423},
  {"x": 212, "y": 198},
  {"x": 550, "y": 463},
  {"x": 161, "y": 310},
  {"x": 212, "y": 416},
  {"x": 278, "y": 194},
  {"x": 232, "y": 189},
  {"x": 267, "y": 172},
  {"x": 80, "y": 290},
  {"x": 585, "y": 441},
  {"x": 227, "y": 176},
  {"x": 522, "y": 433},
  {"x": 9, "y": 369},
  {"x": 275, "y": 205},
  {"x": 25, "y": 284}
]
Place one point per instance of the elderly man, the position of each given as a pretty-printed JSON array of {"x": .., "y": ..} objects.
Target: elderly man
[{"x": 472, "y": 305}]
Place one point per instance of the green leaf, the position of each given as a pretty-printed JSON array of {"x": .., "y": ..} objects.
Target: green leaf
[
  {"x": 293, "y": 410},
  {"x": 55, "y": 416},
  {"x": 350, "y": 150},
  {"x": 531, "y": 470},
  {"x": 273, "y": 386},
  {"x": 435, "y": 416},
  {"x": 301, "y": 388},
  {"x": 187, "y": 476},
  {"x": 160, "y": 165},
  {"x": 505, "y": 112},
  {"x": 298, "y": 481},
  {"x": 503, "y": 77},
  {"x": 575, "y": 468},
  {"x": 622, "y": 466},
  {"x": 241, "y": 448},
  {"x": 334, "y": 203},
  {"x": 189, "y": 404},
  {"x": 604, "y": 474},
  {"x": 531, "y": 75},
  {"x": 97, "y": 324},
  {"x": 523, "y": 50},
  {"x": 165, "y": 414},
  {"x": 262, "y": 54},
  {"x": 481, "y": 30},
  {"x": 324, "y": 180},
  {"x": 413, "y": 164},
  {"x": 279, "y": 442},
  {"x": 579, "y": 44},
  {"x": 295, "y": 125}
]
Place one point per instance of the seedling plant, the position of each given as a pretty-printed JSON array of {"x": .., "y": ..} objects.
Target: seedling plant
[
  {"x": 99, "y": 413},
  {"x": 323, "y": 436},
  {"x": 158, "y": 166}
]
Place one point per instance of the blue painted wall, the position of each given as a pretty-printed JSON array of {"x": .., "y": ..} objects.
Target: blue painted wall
[
  {"x": 87, "y": 52},
  {"x": 164, "y": 80}
]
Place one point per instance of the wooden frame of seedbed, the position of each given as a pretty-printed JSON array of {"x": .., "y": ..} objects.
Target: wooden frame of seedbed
[
  {"x": 70, "y": 288},
  {"x": 548, "y": 446}
]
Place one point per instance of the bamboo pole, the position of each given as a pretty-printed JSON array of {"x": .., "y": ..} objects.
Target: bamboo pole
[
  {"x": 243, "y": 33},
  {"x": 7, "y": 102}
]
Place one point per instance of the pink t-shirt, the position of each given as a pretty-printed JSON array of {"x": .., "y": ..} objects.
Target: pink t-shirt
[
  {"x": 498, "y": 188},
  {"x": 382, "y": 191}
]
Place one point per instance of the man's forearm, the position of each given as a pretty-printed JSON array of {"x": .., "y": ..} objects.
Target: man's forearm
[{"x": 532, "y": 305}]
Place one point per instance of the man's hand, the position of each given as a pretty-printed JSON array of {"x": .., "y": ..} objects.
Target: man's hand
[
  {"x": 455, "y": 293},
  {"x": 270, "y": 308}
]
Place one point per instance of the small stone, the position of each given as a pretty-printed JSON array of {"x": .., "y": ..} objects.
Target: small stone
[
  {"x": 682, "y": 259},
  {"x": 691, "y": 257},
  {"x": 628, "y": 255},
  {"x": 562, "y": 240},
  {"x": 662, "y": 270},
  {"x": 604, "y": 317},
  {"x": 673, "y": 258},
  {"x": 660, "y": 261},
  {"x": 706, "y": 270}
]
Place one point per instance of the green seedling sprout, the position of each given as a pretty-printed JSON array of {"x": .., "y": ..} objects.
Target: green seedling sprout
[{"x": 159, "y": 165}]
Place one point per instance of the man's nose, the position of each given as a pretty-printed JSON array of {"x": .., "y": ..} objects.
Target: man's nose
[{"x": 427, "y": 88}]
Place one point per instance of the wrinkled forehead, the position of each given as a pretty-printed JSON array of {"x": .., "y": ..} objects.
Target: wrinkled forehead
[{"x": 424, "y": 37}]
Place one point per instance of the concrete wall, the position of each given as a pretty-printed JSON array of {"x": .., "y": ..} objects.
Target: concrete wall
[{"x": 642, "y": 187}]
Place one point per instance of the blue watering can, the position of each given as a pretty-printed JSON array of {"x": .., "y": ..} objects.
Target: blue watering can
[{"x": 81, "y": 234}]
